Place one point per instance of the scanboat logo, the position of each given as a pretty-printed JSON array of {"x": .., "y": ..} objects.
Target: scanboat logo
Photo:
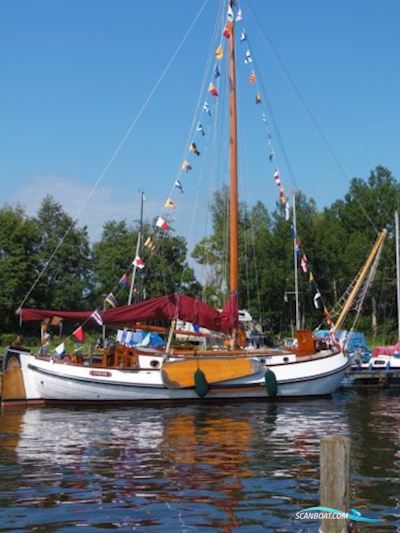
[{"x": 320, "y": 513}]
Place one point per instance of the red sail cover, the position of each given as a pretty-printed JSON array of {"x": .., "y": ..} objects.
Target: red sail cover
[{"x": 173, "y": 306}]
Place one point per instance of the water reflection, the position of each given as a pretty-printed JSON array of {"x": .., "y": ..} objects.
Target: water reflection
[{"x": 248, "y": 466}]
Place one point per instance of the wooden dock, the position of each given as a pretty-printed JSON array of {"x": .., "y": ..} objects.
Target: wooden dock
[{"x": 377, "y": 378}]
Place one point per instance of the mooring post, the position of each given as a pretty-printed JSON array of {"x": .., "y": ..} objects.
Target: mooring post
[{"x": 335, "y": 480}]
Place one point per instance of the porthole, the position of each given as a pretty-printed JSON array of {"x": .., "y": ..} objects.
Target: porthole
[
  {"x": 154, "y": 363},
  {"x": 286, "y": 359}
]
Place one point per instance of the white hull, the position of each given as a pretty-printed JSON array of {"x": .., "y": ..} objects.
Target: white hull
[{"x": 49, "y": 380}]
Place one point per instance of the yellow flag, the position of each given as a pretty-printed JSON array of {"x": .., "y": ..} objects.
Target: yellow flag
[
  {"x": 169, "y": 203},
  {"x": 219, "y": 52}
]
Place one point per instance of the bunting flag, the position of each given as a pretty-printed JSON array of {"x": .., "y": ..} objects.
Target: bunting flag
[
  {"x": 304, "y": 263},
  {"x": 111, "y": 300},
  {"x": 271, "y": 154},
  {"x": 229, "y": 14},
  {"x": 138, "y": 263},
  {"x": 243, "y": 35},
  {"x": 258, "y": 98},
  {"x": 200, "y": 128},
  {"x": 247, "y": 58},
  {"x": 282, "y": 197},
  {"x": 186, "y": 166},
  {"x": 277, "y": 177},
  {"x": 207, "y": 109},
  {"x": 179, "y": 186},
  {"x": 219, "y": 53},
  {"x": 287, "y": 211},
  {"x": 212, "y": 89},
  {"x": 150, "y": 244},
  {"x": 125, "y": 281},
  {"x": 60, "y": 349},
  {"x": 97, "y": 318},
  {"x": 79, "y": 334},
  {"x": 311, "y": 281},
  {"x": 297, "y": 244},
  {"x": 217, "y": 73},
  {"x": 226, "y": 33},
  {"x": 264, "y": 118},
  {"x": 162, "y": 224},
  {"x": 193, "y": 148},
  {"x": 318, "y": 300},
  {"x": 239, "y": 16},
  {"x": 169, "y": 203},
  {"x": 252, "y": 78}
]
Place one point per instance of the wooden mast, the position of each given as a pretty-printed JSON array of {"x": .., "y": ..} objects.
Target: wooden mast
[
  {"x": 371, "y": 258},
  {"x": 233, "y": 195}
]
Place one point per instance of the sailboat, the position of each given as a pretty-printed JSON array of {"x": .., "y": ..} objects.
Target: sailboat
[{"x": 125, "y": 374}]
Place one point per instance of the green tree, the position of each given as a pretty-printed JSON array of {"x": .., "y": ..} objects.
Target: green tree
[
  {"x": 19, "y": 242},
  {"x": 67, "y": 280}
]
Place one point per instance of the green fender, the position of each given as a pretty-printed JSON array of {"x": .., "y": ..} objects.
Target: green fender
[
  {"x": 270, "y": 383},
  {"x": 200, "y": 383}
]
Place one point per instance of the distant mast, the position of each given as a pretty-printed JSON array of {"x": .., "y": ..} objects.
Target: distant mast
[{"x": 233, "y": 195}]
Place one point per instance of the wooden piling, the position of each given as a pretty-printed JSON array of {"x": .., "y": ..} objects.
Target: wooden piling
[{"x": 335, "y": 480}]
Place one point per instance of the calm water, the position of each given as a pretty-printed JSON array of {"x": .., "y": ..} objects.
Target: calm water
[{"x": 242, "y": 467}]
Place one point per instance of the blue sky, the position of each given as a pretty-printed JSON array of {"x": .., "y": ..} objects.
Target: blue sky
[{"x": 76, "y": 73}]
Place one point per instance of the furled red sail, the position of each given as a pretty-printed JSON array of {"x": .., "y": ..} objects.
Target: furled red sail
[{"x": 170, "y": 307}]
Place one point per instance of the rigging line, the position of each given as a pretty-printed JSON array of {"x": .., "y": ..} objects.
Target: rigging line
[
  {"x": 196, "y": 117},
  {"x": 116, "y": 151},
  {"x": 278, "y": 61},
  {"x": 272, "y": 115}
]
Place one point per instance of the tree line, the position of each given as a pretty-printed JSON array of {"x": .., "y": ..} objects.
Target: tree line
[{"x": 336, "y": 241}]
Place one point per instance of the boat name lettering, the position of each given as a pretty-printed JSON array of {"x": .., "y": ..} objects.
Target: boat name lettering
[{"x": 100, "y": 373}]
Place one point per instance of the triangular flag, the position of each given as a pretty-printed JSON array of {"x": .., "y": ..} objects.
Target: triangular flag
[
  {"x": 97, "y": 318},
  {"x": 170, "y": 204},
  {"x": 186, "y": 166},
  {"x": 229, "y": 14},
  {"x": 217, "y": 73},
  {"x": 247, "y": 58},
  {"x": 150, "y": 244},
  {"x": 243, "y": 35},
  {"x": 162, "y": 224},
  {"x": 271, "y": 154},
  {"x": 252, "y": 78},
  {"x": 178, "y": 185},
  {"x": 206, "y": 108},
  {"x": 111, "y": 300},
  {"x": 212, "y": 89},
  {"x": 138, "y": 263},
  {"x": 258, "y": 98},
  {"x": 125, "y": 281},
  {"x": 219, "y": 52},
  {"x": 193, "y": 148},
  {"x": 239, "y": 16},
  {"x": 226, "y": 33},
  {"x": 264, "y": 118},
  {"x": 317, "y": 300},
  {"x": 79, "y": 334},
  {"x": 282, "y": 196},
  {"x": 200, "y": 129},
  {"x": 60, "y": 349}
]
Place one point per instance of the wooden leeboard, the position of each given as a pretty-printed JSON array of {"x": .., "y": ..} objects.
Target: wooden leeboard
[{"x": 180, "y": 374}]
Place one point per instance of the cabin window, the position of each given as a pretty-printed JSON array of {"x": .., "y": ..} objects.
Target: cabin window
[{"x": 154, "y": 363}]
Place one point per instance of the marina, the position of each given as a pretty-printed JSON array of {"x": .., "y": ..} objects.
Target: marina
[{"x": 223, "y": 354}]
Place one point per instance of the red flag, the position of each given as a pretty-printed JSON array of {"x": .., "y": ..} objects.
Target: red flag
[
  {"x": 252, "y": 78},
  {"x": 79, "y": 334},
  {"x": 212, "y": 89}
]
